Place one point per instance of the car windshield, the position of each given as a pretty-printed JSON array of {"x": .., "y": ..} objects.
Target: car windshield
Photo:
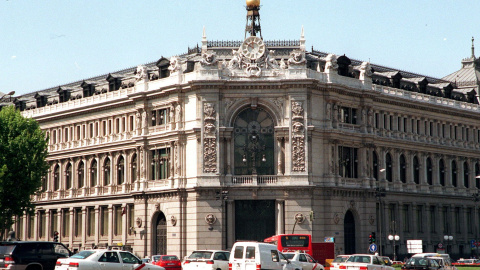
[
  {"x": 359, "y": 259},
  {"x": 340, "y": 259},
  {"x": 156, "y": 258},
  {"x": 83, "y": 254},
  {"x": 169, "y": 258},
  {"x": 199, "y": 255},
  {"x": 417, "y": 261},
  {"x": 288, "y": 255}
]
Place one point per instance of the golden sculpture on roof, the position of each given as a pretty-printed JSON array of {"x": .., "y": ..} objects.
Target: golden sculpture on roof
[{"x": 253, "y": 3}]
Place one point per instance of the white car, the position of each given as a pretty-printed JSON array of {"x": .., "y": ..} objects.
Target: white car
[
  {"x": 104, "y": 259},
  {"x": 364, "y": 261},
  {"x": 335, "y": 264},
  {"x": 305, "y": 260},
  {"x": 207, "y": 260}
]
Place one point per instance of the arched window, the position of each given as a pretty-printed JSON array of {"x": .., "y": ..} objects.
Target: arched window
[
  {"x": 80, "y": 175},
  {"x": 477, "y": 174},
  {"x": 133, "y": 168},
  {"x": 416, "y": 170},
  {"x": 93, "y": 173},
  {"x": 254, "y": 142},
  {"x": 403, "y": 169},
  {"x": 441, "y": 172},
  {"x": 68, "y": 176},
  {"x": 106, "y": 172},
  {"x": 454, "y": 173},
  {"x": 56, "y": 178},
  {"x": 465, "y": 175},
  {"x": 375, "y": 165},
  {"x": 429, "y": 171},
  {"x": 389, "y": 169},
  {"x": 120, "y": 170}
]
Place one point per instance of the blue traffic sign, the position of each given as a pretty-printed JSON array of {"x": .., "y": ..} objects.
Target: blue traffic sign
[{"x": 372, "y": 248}]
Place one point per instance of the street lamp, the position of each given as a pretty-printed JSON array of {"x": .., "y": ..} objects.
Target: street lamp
[
  {"x": 394, "y": 238},
  {"x": 10, "y": 94},
  {"x": 448, "y": 238}
]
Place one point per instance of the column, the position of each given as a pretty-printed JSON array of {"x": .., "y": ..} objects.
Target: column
[
  {"x": 97, "y": 225},
  {"x": 71, "y": 227},
  {"x": 280, "y": 206},
  {"x": 280, "y": 156},
  {"x": 230, "y": 223},
  {"x": 48, "y": 236},
  {"x": 124, "y": 223},
  {"x": 110, "y": 224},
  {"x": 84, "y": 226}
]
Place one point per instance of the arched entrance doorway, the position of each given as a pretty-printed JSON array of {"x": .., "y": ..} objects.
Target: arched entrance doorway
[
  {"x": 160, "y": 235},
  {"x": 349, "y": 233}
]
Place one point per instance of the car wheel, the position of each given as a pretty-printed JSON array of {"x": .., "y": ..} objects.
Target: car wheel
[{"x": 34, "y": 267}]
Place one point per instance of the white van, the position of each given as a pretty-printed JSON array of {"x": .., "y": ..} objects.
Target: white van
[{"x": 258, "y": 256}]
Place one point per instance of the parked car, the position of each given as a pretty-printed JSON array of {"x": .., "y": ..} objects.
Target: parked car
[
  {"x": 31, "y": 255},
  {"x": 387, "y": 260},
  {"x": 305, "y": 260},
  {"x": 365, "y": 261},
  {"x": 443, "y": 259},
  {"x": 207, "y": 260},
  {"x": 104, "y": 259},
  {"x": 334, "y": 265},
  {"x": 421, "y": 263},
  {"x": 169, "y": 262},
  {"x": 256, "y": 255}
]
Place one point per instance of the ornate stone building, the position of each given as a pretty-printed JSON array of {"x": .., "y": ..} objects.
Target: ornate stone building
[{"x": 243, "y": 140}]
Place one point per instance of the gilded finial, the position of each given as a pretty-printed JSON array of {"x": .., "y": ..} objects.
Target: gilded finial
[{"x": 253, "y": 3}]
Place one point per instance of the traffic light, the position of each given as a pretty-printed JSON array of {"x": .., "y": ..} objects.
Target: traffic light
[
  {"x": 373, "y": 237},
  {"x": 370, "y": 238},
  {"x": 55, "y": 236}
]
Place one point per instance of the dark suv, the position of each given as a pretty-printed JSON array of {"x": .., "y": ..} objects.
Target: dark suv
[{"x": 31, "y": 255}]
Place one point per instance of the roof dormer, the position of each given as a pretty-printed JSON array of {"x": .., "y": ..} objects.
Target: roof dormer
[
  {"x": 63, "y": 94},
  {"x": 88, "y": 88},
  {"x": 41, "y": 99},
  {"x": 163, "y": 64},
  {"x": 114, "y": 82}
]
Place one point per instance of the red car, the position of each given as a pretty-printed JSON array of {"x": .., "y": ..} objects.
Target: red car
[{"x": 169, "y": 262}]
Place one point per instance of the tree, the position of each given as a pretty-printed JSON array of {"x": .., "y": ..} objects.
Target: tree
[{"x": 23, "y": 153}]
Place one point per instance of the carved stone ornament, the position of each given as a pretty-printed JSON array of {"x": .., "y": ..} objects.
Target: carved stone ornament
[
  {"x": 157, "y": 206},
  {"x": 209, "y": 58},
  {"x": 298, "y": 137},
  {"x": 331, "y": 63},
  {"x": 242, "y": 66},
  {"x": 173, "y": 220},
  {"x": 299, "y": 218},
  {"x": 138, "y": 222},
  {"x": 175, "y": 64},
  {"x": 336, "y": 218},
  {"x": 209, "y": 138},
  {"x": 210, "y": 219},
  {"x": 365, "y": 71},
  {"x": 371, "y": 220},
  {"x": 297, "y": 57},
  {"x": 141, "y": 73}
]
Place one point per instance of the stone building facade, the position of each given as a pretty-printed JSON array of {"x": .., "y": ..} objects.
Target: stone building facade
[{"x": 222, "y": 144}]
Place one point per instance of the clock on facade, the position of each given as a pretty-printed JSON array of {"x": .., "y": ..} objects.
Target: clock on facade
[{"x": 253, "y": 47}]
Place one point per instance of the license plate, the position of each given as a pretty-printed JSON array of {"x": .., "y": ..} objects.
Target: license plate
[{"x": 170, "y": 264}]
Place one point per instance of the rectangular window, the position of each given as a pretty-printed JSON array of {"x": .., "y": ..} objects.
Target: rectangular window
[
  {"x": 66, "y": 223},
  {"x": 104, "y": 217},
  {"x": 160, "y": 163},
  {"x": 469, "y": 220},
  {"x": 390, "y": 124},
  {"x": 118, "y": 220},
  {"x": 457, "y": 219},
  {"x": 445, "y": 219},
  {"x": 159, "y": 117},
  {"x": 348, "y": 162},
  {"x": 399, "y": 123},
  {"x": 91, "y": 221},
  {"x": 419, "y": 218},
  {"x": 31, "y": 225},
  {"x": 53, "y": 222},
  {"x": 131, "y": 122},
  {"x": 432, "y": 218},
  {"x": 117, "y": 125},
  {"x": 391, "y": 214},
  {"x": 131, "y": 218},
  {"x": 431, "y": 128},
  {"x": 104, "y": 128},
  {"x": 377, "y": 121},
  {"x": 78, "y": 222},
  {"x": 406, "y": 220},
  {"x": 20, "y": 228},
  {"x": 42, "y": 218}
]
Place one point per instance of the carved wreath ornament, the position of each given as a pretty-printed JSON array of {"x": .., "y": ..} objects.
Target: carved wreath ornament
[
  {"x": 210, "y": 219},
  {"x": 299, "y": 218}
]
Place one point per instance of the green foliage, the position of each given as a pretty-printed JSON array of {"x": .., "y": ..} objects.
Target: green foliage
[{"x": 23, "y": 153}]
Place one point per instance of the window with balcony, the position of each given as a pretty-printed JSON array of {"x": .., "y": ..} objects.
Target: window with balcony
[
  {"x": 254, "y": 142},
  {"x": 159, "y": 117},
  {"x": 348, "y": 162},
  {"x": 56, "y": 178},
  {"x": 454, "y": 173},
  {"x": 416, "y": 170},
  {"x": 121, "y": 170},
  {"x": 68, "y": 176},
  {"x": 403, "y": 169},
  {"x": 389, "y": 167},
  {"x": 93, "y": 173},
  {"x": 348, "y": 115},
  {"x": 477, "y": 174},
  {"x": 465, "y": 175},
  {"x": 133, "y": 168},
  {"x": 429, "y": 171},
  {"x": 160, "y": 163},
  {"x": 375, "y": 166},
  {"x": 106, "y": 172},
  {"x": 441, "y": 172},
  {"x": 80, "y": 175}
]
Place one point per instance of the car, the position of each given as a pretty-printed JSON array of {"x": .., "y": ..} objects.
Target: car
[
  {"x": 305, "y": 260},
  {"x": 421, "y": 263},
  {"x": 255, "y": 255},
  {"x": 104, "y": 259},
  {"x": 334, "y": 265},
  {"x": 207, "y": 260},
  {"x": 387, "y": 260},
  {"x": 365, "y": 261},
  {"x": 20, "y": 255},
  {"x": 169, "y": 262}
]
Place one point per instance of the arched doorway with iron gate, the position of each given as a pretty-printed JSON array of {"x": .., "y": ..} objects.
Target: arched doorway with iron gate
[
  {"x": 159, "y": 238},
  {"x": 349, "y": 233}
]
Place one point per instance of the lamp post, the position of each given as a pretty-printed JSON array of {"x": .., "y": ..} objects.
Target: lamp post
[
  {"x": 380, "y": 192},
  {"x": 448, "y": 238},
  {"x": 394, "y": 237},
  {"x": 476, "y": 199},
  {"x": 9, "y": 94}
]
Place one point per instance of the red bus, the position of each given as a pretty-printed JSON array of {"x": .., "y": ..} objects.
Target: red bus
[{"x": 292, "y": 242}]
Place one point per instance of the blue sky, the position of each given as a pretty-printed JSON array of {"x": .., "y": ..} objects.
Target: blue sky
[{"x": 46, "y": 43}]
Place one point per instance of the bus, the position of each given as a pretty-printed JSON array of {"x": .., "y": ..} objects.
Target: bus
[{"x": 292, "y": 242}]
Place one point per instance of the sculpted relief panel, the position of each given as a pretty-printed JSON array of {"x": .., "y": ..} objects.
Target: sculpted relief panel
[
  {"x": 298, "y": 137},
  {"x": 209, "y": 138}
]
